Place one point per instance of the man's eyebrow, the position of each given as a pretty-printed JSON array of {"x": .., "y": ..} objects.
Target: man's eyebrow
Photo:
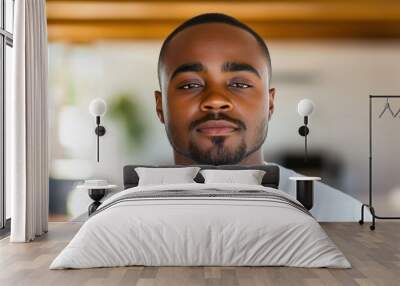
[
  {"x": 188, "y": 67},
  {"x": 236, "y": 66}
]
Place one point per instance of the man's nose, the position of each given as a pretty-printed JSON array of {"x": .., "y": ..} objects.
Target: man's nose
[{"x": 216, "y": 102}]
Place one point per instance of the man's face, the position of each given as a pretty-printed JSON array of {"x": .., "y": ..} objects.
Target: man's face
[{"x": 215, "y": 100}]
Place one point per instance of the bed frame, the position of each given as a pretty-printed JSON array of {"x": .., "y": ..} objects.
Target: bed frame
[{"x": 270, "y": 179}]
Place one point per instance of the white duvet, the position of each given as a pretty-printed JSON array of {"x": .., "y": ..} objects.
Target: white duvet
[{"x": 207, "y": 230}]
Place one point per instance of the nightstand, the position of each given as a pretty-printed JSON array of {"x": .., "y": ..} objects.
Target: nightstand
[
  {"x": 305, "y": 190},
  {"x": 96, "y": 193}
]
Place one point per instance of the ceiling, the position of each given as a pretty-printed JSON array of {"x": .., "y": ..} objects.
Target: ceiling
[{"x": 94, "y": 20}]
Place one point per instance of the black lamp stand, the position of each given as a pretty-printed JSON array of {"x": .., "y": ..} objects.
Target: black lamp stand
[
  {"x": 303, "y": 131},
  {"x": 100, "y": 131}
]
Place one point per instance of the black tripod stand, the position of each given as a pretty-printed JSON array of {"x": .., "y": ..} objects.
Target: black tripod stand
[{"x": 369, "y": 205}]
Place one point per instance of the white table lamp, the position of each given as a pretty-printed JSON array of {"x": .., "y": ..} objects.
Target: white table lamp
[
  {"x": 98, "y": 108},
  {"x": 305, "y": 108}
]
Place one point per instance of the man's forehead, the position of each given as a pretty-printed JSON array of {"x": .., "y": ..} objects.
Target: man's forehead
[{"x": 212, "y": 43}]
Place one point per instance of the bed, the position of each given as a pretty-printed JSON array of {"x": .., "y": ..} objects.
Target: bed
[{"x": 201, "y": 224}]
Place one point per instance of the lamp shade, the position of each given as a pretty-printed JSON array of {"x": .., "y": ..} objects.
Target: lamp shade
[
  {"x": 97, "y": 107},
  {"x": 305, "y": 107}
]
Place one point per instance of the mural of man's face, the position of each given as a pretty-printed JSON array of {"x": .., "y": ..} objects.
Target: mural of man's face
[{"x": 215, "y": 100}]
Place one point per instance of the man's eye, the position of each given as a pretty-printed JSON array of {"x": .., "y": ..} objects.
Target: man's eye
[
  {"x": 240, "y": 85},
  {"x": 190, "y": 85}
]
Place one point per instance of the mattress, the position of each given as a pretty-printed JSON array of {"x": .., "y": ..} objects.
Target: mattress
[{"x": 201, "y": 225}]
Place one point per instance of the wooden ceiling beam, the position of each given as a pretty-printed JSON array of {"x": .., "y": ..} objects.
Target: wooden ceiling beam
[
  {"x": 90, "y": 32},
  {"x": 248, "y": 11},
  {"x": 92, "y": 20}
]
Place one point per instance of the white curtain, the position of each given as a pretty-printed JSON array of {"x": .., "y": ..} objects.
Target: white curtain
[{"x": 27, "y": 123}]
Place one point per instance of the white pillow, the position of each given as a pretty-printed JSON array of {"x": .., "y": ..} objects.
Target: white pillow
[
  {"x": 249, "y": 177},
  {"x": 162, "y": 176}
]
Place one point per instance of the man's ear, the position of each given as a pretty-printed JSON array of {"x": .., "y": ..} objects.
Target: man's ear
[
  {"x": 159, "y": 110},
  {"x": 271, "y": 100}
]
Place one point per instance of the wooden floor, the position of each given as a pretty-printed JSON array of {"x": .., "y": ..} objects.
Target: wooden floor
[{"x": 374, "y": 255}]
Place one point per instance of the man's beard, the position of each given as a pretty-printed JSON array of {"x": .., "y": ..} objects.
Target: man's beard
[{"x": 218, "y": 154}]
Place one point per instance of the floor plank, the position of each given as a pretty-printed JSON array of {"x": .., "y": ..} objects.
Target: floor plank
[{"x": 374, "y": 255}]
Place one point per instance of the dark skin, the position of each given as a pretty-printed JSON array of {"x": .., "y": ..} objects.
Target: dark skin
[{"x": 215, "y": 73}]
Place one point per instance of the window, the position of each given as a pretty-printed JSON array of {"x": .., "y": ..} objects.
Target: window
[{"x": 6, "y": 43}]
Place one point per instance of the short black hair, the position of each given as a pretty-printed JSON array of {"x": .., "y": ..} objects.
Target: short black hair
[{"x": 213, "y": 18}]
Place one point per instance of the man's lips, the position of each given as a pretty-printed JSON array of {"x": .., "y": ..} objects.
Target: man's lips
[{"x": 217, "y": 127}]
